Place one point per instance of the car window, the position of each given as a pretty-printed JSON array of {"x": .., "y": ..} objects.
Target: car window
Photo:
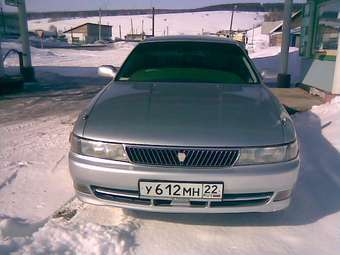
[{"x": 187, "y": 62}]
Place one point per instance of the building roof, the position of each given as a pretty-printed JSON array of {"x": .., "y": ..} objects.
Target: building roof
[
  {"x": 268, "y": 26},
  {"x": 294, "y": 15},
  {"x": 87, "y": 23}
]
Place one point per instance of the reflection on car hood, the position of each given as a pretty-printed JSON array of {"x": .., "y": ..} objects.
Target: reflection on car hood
[{"x": 186, "y": 115}]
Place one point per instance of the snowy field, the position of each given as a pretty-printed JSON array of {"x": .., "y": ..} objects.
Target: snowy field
[
  {"x": 179, "y": 23},
  {"x": 38, "y": 211}
]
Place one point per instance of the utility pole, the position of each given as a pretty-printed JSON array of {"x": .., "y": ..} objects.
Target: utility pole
[
  {"x": 142, "y": 26},
  {"x": 28, "y": 71},
  {"x": 283, "y": 77},
  {"x": 232, "y": 20},
  {"x": 100, "y": 25},
  {"x": 252, "y": 38},
  {"x": 131, "y": 26},
  {"x": 167, "y": 30},
  {"x": 120, "y": 31},
  {"x": 153, "y": 21}
]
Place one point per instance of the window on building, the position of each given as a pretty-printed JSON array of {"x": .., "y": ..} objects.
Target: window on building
[
  {"x": 75, "y": 39},
  {"x": 328, "y": 29}
]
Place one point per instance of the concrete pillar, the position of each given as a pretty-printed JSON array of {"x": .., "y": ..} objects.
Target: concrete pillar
[
  {"x": 310, "y": 34},
  {"x": 336, "y": 81},
  {"x": 284, "y": 77},
  {"x": 28, "y": 69}
]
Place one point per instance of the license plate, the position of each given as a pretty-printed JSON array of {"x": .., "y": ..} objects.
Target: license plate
[{"x": 172, "y": 190}]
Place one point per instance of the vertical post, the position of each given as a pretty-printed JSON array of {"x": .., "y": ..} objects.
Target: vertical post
[
  {"x": 120, "y": 31},
  {"x": 100, "y": 25},
  {"x": 284, "y": 77},
  {"x": 3, "y": 20},
  {"x": 232, "y": 20},
  {"x": 336, "y": 81},
  {"x": 252, "y": 38},
  {"x": 2, "y": 69},
  {"x": 28, "y": 69},
  {"x": 131, "y": 26},
  {"x": 311, "y": 32},
  {"x": 153, "y": 21},
  {"x": 142, "y": 26},
  {"x": 167, "y": 30}
]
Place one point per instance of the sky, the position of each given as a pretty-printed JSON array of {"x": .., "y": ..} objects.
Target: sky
[{"x": 72, "y": 5}]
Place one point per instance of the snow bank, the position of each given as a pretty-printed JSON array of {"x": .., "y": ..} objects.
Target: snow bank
[
  {"x": 72, "y": 238},
  {"x": 75, "y": 229}
]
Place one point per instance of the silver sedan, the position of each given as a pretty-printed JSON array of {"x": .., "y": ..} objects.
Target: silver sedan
[{"x": 186, "y": 125}]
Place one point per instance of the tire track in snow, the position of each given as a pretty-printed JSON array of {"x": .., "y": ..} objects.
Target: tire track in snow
[{"x": 9, "y": 180}]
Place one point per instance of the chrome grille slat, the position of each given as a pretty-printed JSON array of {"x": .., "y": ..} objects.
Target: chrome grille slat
[
  {"x": 229, "y": 157},
  {"x": 195, "y": 157},
  {"x": 190, "y": 156},
  {"x": 199, "y": 158},
  {"x": 173, "y": 156},
  {"x": 218, "y": 158}
]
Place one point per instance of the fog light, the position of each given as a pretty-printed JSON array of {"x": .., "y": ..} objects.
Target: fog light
[
  {"x": 282, "y": 195},
  {"x": 82, "y": 188}
]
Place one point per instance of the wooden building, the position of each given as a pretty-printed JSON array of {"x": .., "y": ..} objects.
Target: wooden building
[
  {"x": 274, "y": 30},
  {"x": 88, "y": 33}
]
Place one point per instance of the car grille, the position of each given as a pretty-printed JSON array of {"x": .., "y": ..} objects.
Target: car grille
[
  {"x": 228, "y": 200},
  {"x": 191, "y": 157}
]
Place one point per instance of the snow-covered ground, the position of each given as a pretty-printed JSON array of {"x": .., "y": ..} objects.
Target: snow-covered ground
[
  {"x": 39, "y": 215},
  {"x": 72, "y": 62}
]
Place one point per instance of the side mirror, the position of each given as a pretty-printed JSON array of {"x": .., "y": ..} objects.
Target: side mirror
[{"x": 107, "y": 71}]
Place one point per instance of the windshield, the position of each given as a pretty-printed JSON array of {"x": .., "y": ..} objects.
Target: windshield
[{"x": 187, "y": 62}]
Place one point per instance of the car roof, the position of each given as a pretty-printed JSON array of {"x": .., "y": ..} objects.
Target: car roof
[{"x": 190, "y": 38}]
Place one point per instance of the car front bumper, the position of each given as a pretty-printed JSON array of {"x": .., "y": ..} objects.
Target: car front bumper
[{"x": 261, "y": 188}]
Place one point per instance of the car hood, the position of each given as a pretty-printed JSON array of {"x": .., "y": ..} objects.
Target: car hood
[{"x": 176, "y": 114}]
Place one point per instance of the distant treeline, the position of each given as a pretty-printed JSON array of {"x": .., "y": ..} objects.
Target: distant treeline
[{"x": 251, "y": 7}]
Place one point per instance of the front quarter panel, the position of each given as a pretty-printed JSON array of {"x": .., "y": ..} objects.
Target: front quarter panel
[{"x": 80, "y": 123}]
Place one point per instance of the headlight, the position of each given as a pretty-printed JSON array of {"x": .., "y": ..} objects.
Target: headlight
[
  {"x": 253, "y": 156},
  {"x": 97, "y": 149}
]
